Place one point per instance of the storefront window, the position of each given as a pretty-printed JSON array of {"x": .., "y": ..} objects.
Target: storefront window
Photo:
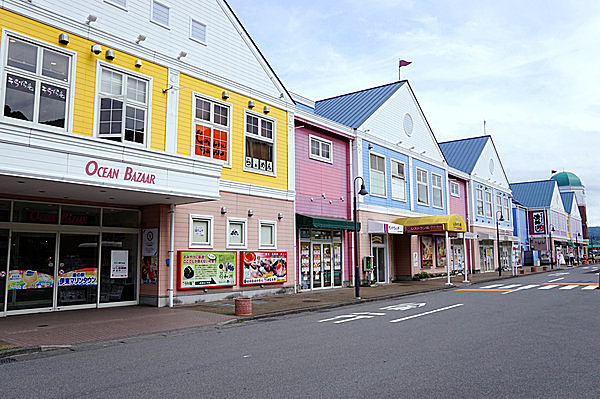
[
  {"x": 32, "y": 212},
  {"x": 79, "y": 216},
  {"x": 4, "y": 211},
  {"x": 118, "y": 271},
  {"x": 440, "y": 249},
  {"x": 321, "y": 235},
  {"x": 304, "y": 234},
  {"x": 3, "y": 265},
  {"x": 120, "y": 218}
]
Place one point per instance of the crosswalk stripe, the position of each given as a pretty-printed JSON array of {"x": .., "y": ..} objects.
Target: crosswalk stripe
[
  {"x": 492, "y": 286},
  {"x": 568, "y": 287},
  {"x": 548, "y": 287},
  {"x": 525, "y": 287},
  {"x": 511, "y": 286},
  {"x": 590, "y": 287}
]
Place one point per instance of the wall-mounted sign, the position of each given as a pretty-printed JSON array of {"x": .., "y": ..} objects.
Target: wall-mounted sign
[
  {"x": 28, "y": 279},
  {"x": 375, "y": 227},
  {"x": 263, "y": 267},
  {"x": 206, "y": 269},
  {"x": 431, "y": 227},
  {"x": 538, "y": 223},
  {"x": 119, "y": 264},
  {"x": 150, "y": 242},
  {"x": 127, "y": 174}
]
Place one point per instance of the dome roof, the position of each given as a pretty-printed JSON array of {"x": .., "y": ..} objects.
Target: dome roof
[{"x": 567, "y": 179}]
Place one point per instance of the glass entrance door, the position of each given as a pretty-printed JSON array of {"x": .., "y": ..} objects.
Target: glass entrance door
[
  {"x": 327, "y": 265},
  {"x": 31, "y": 271},
  {"x": 77, "y": 269},
  {"x": 3, "y": 265},
  {"x": 379, "y": 264},
  {"x": 316, "y": 266}
]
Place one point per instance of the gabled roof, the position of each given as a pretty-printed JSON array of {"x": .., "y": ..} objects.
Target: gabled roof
[
  {"x": 534, "y": 194},
  {"x": 567, "y": 199},
  {"x": 354, "y": 109},
  {"x": 463, "y": 154}
]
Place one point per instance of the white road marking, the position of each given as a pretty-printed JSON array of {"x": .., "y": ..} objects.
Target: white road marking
[
  {"x": 568, "y": 287},
  {"x": 548, "y": 287},
  {"x": 525, "y": 287},
  {"x": 404, "y": 306},
  {"x": 426, "y": 313},
  {"x": 351, "y": 317},
  {"x": 491, "y": 286},
  {"x": 556, "y": 279},
  {"x": 506, "y": 287},
  {"x": 558, "y": 274},
  {"x": 590, "y": 287}
]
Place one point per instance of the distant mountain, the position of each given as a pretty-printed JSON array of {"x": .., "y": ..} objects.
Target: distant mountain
[{"x": 594, "y": 233}]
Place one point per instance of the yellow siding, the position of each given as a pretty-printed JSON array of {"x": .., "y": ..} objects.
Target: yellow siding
[
  {"x": 238, "y": 104},
  {"x": 85, "y": 80}
]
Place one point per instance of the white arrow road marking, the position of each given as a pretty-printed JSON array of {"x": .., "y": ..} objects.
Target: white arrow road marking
[
  {"x": 352, "y": 317},
  {"x": 548, "y": 287},
  {"x": 568, "y": 287},
  {"x": 589, "y": 287},
  {"x": 556, "y": 279},
  {"x": 426, "y": 313},
  {"x": 525, "y": 287},
  {"x": 404, "y": 306}
]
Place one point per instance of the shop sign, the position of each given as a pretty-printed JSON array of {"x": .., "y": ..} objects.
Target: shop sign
[
  {"x": 470, "y": 236},
  {"x": 430, "y": 227},
  {"x": 457, "y": 224},
  {"x": 538, "y": 223},
  {"x": 93, "y": 168},
  {"x": 119, "y": 264},
  {"x": 264, "y": 267},
  {"x": 375, "y": 227},
  {"x": 206, "y": 269},
  {"x": 79, "y": 277},
  {"x": 29, "y": 279}
]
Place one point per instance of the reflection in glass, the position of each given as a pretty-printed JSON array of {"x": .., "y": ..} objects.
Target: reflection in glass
[
  {"x": 22, "y": 55},
  {"x": 114, "y": 288},
  {"x": 4, "y": 211},
  {"x": 53, "y": 104},
  {"x": 80, "y": 216},
  {"x": 78, "y": 269},
  {"x": 120, "y": 218},
  {"x": 32, "y": 212},
  {"x": 55, "y": 65},
  {"x": 20, "y": 96}
]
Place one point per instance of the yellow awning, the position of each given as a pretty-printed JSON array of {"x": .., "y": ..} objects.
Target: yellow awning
[{"x": 425, "y": 224}]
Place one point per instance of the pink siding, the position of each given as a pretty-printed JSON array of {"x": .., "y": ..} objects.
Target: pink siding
[
  {"x": 458, "y": 205},
  {"x": 313, "y": 177}
]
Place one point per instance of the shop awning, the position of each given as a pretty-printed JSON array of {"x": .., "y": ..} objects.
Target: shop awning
[
  {"x": 310, "y": 222},
  {"x": 426, "y": 224}
]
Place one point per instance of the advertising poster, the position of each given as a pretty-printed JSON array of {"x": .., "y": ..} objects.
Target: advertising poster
[
  {"x": 149, "y": 269},
  {"x": 440, "y": 246},
  {"x": 305, "y": 264},
  {"x": 28, "y": 279},
  {"x": 516, "y": 254},
  {"x": 79, "y": 277},
  {"x": 538, "y": 222},
  {"x": 199, "y": 269},
  {"x": 426, "y": 252},
  {"x": 119, "y": 264},
  {"x": 149, "y": 242},
  {"x": 264, "y": 267}
]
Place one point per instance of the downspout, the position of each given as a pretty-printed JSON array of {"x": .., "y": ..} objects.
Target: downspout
[
  {"x": 349, "y": 193},
  {"x": 171, "y": 251}
]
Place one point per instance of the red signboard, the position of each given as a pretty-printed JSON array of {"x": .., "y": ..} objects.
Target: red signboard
[
  {"x": 430, "y": 227},
  {"x": 263, "y": 267}
]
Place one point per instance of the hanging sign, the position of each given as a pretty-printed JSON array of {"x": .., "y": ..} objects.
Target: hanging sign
[
  {"x": 538, "y": 223},
  {"x": 206, "y": 269}
]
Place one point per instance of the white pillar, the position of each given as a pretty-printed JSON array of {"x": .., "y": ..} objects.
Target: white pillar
[
  {"x": 448, "y": 257},
  {"x": 466, "y": 269},
  {"x": 171, "y": 251}
]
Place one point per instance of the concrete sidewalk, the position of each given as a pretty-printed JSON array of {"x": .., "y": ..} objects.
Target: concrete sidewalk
[{"x": 82, "y": 326}]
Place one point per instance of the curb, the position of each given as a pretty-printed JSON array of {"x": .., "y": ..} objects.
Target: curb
[{"x": 27, "y": 350}]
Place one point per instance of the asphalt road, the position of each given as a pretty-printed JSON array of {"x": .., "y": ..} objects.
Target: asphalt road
[{"x": 528, "y": 337}]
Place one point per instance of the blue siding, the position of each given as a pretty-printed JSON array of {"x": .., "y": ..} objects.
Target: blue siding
[
  {"x": 491, "y": 221},
  {"x": 520, "y": 226},
  {"x": 430, "y": 210}
]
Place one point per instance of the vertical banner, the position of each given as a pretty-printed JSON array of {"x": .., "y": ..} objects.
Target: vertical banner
[
  {"x": 538, "y": 223},
  {"x": 149, "y": 256},
  {"x": 440, "y": 247},
  {"x": 119, "y": 264},
  {"x": 426, "y": 252}
]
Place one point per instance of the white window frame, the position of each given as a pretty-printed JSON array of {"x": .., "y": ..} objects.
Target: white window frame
[
  {"x": 272, "y": 141},
  {"x": 203, "y": 42},
  {"x": 321, "y": 141},
  {"x": 212, "y": 125},
  {"x": 506, "y": 208},
  {"x": 4, "y": 69},
  {"x": 402, "y": 180},
  {"x": 262, "y": 223},
  {"x": 499, "y": 204},
  {"x": 162, "y": 3},
  {"x": 489, "y": 205},
  {"x": 244, "y": 244},
  {"x": 116, "y": 4},
  {"x": 371, "y": 192},
  {"x": 211, "y": 227},
  {"x": 454, "y": 189},
  {"x": 148, "y": 128},
  {"x": 479, "y": 199},
  {"x": 417, "y": 170},
  {"x": 437, "y": 187}
]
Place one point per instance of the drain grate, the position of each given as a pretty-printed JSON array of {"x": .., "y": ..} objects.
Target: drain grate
[{"x": 7, "y": 360}]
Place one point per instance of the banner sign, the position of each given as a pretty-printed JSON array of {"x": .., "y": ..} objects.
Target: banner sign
[
  {"x": 206, "y": 269},
  {"x": 538, "y": 223},
  {"x": 79, "y": 277},
  {"x": 28, "y": 279},
  {"x": 264, "y": 267},
  {"x": 431, "y": 227}
]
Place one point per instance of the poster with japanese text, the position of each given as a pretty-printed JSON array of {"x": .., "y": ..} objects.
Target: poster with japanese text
[
  {"x": 538, "y": 222},
  {"x": 119, "y": 264},
  {"x": 206, "y": 269},
  {"x": 440, "y": 246},
  {"x": 426, "y": 251},
  {"x": 264, "y": 267}
]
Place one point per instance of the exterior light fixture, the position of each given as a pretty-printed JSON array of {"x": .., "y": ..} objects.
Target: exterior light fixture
[
  {"x": 63, "y": 38},
  {"x": 109, "y": 55},
  {"x": 138, "y": 63},
  {"x": 139, "y": 39},
  {"x": 223, "y": 210},
  {"x": 96, "y": 49},
  {"x": 251, "y": 104},
  {"x": 181, "y": 55},
  {"x": 323, "y": 195},
  {"x": 225, "y": 95},
  {"x": 90, "y": 18},
  {"x": 267, "y": 109},
  {"x": 280, "y": 215},
  {"x": 250, "y": 212}
]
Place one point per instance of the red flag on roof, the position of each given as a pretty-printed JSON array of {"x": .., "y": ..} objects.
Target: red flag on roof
[{"x": 404, "y": 63}]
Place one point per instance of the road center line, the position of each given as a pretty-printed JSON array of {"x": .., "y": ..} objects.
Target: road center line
[
  {"x": 426, "y": 313},
  {"x": 556, "y": 279}
]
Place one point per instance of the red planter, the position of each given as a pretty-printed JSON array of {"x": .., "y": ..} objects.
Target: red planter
[
  {"x": 243, "y": 306},
  {"x": 533, "y": 269}
]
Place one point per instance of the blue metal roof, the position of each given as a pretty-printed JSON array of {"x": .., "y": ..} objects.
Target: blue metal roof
[
  {"x": 354, "y": 109},
  {"x": 463, "y": 154},
  {"x": 305, "y": 107},
  {"x": 534, "y": 194},
  {"x": 567, "y": 199}
]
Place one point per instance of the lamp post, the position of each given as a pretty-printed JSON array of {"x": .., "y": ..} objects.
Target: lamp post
[
  {"x": 577, "y": 246},
  {"x": 363, "y": 191},
  {"x": 551, "y": 246},
  {"x": 501, "y": 219}
]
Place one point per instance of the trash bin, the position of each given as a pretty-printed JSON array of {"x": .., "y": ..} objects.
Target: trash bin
[{"x": 243, "y": 306}]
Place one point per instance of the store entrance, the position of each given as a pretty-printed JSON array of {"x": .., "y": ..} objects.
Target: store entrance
[
  {"x": 77, "y": 269},
  {"x": 321, "y": 259},
  {"x": 379, "y": 264}
]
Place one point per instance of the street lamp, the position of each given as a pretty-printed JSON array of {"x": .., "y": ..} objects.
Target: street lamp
[
  {"x": 363, "y": 191},
  {"x": 577, "y": 246},
  {"x": 551, "y": 246},
  {"x": 501, "y": 219}
]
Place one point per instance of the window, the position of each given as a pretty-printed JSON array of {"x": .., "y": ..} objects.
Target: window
[
  {"x": 201, "y": 231},
  {"x": 479, "y": 202},
  {"x": 267, "y": 234},
  {"x": 377, "y": 175},
  {"x": 506, "y": 210},
  {"x": 119, "y": 3},
  {"x": 454, "y": 189},
  {"x": 499, "y": 205},
  {"x": 436, "y": 191},
  {"x": 123, "y": 101},
  {"x": 37, "y": 83},
  {"x": 198, "y": 31},
  {"x": 236, "y": 233},
  {"x": 488, "y": 204},
  {"x": 320, "y": 149},
  {"x": 398, "y": 181},
  {"x": 259, "y": 141},
  {"x": 211, "y": 124},
  {"x": 422, "y": 187},
  {"x": 160, "y": 14}
]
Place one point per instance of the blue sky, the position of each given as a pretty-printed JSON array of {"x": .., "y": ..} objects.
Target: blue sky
[{"x": 531, "y": 69}]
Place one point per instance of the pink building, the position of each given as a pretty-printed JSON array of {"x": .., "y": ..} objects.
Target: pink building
[{"x": 323, "y": 202}]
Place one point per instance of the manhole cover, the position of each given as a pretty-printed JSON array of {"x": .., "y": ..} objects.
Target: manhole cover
[{"x": 312, "y": 300}]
